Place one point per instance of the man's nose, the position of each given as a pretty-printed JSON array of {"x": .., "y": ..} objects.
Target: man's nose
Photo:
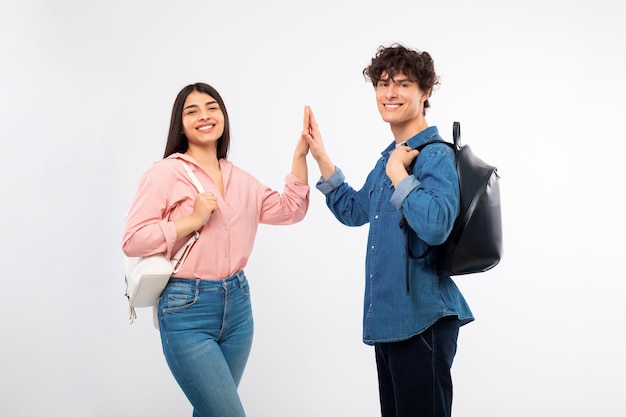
[{"x": 391, "y": 90}]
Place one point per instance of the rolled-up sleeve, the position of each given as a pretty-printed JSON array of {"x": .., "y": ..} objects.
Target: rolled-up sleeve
[
  {"x": 403, "y": 189},
  {"x": 333, "y": 182},
  {"x": 287, "y": 208}
]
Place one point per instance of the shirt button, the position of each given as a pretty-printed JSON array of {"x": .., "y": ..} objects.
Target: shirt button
[
  {"x": 376, "y": 217},
  {"x": 373, "y": 247}
]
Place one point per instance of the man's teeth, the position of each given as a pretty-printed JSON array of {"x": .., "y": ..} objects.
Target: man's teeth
[{"x": 392, "y": 106}]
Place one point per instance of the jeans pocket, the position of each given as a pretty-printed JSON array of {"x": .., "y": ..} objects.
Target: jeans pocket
[
  {"x": 177, "y": 299},
  {"x": 245, "y": 287},
  {"x": 427, "y": 339}
]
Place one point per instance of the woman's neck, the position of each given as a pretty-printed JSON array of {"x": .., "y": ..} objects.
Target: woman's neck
[{"x": 206, "y": 158}]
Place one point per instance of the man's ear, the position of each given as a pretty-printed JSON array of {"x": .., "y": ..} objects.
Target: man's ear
[{"x": 426, "y": 95}]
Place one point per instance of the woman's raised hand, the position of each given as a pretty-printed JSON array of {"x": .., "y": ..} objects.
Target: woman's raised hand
[{"x": 313, "y": 137}]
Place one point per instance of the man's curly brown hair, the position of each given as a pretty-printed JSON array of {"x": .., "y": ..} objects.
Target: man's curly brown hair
[{"x": 418, "y": 66}]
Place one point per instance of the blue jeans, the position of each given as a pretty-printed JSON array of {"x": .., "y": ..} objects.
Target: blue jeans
[
  {"x": 206, "y": 331},
  {"x": 414, "y": 375}
]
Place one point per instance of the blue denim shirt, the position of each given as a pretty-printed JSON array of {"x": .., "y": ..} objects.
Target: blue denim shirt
[{"x": 429, "y": 200}]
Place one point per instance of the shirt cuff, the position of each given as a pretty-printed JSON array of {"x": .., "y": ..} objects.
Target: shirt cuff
[
  {"x": 332, "y": 183},
  {"x": 403, "y": 189},
  {"x": 296, "y": 184}
]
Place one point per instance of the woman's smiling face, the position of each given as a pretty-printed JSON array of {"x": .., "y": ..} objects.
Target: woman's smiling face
[{"x": 203, "y": 120}]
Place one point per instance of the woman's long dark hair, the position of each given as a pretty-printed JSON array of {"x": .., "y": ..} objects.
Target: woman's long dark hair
[{"x": 176, "y": 139}]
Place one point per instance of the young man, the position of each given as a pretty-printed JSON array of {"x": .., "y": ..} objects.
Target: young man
[{"x": 411, "y": 316}]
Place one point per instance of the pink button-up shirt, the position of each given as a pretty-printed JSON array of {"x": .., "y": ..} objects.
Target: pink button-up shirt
[{"x": 166, "y": 193}]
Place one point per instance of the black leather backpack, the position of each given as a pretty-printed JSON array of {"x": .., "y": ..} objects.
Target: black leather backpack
[{"x": 475, "y": 243}]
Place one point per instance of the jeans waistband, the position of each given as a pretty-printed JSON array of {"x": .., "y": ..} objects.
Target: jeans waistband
[{"x": 235, "y": 279}]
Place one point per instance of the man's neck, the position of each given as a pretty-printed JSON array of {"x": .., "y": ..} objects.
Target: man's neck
[{"x": 405, "y": 131}]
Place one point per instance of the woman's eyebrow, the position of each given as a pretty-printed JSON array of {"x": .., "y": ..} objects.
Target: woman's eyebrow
[{"x": 195, "y": 105}]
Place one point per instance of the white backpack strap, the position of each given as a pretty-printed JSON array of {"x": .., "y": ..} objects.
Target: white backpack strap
[
  {"x": 193, "y": 177},
  {"x": 181, "y": 255}
]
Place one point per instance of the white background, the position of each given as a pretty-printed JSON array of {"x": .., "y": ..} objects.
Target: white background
[{"x": 86, "y": 92}]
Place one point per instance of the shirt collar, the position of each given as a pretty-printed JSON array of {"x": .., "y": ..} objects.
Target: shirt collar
[{"x": 424, "y": 136}]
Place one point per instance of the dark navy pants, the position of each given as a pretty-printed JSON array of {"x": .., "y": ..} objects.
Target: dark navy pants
[{"x": 414, "y": 377}]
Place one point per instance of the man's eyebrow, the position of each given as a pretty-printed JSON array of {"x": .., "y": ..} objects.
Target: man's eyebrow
[{"x": 195, "y": 105}]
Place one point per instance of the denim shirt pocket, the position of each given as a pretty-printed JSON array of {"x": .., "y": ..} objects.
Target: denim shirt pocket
[{"x": 386, "y": 191}]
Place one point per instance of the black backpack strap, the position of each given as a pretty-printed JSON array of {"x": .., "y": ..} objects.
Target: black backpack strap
[
  {"x": 423, "y": 145},
  {"x": 456, "y": 135}
]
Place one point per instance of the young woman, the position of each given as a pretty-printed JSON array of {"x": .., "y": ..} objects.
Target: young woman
[{"x": 204, "y": 313}]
